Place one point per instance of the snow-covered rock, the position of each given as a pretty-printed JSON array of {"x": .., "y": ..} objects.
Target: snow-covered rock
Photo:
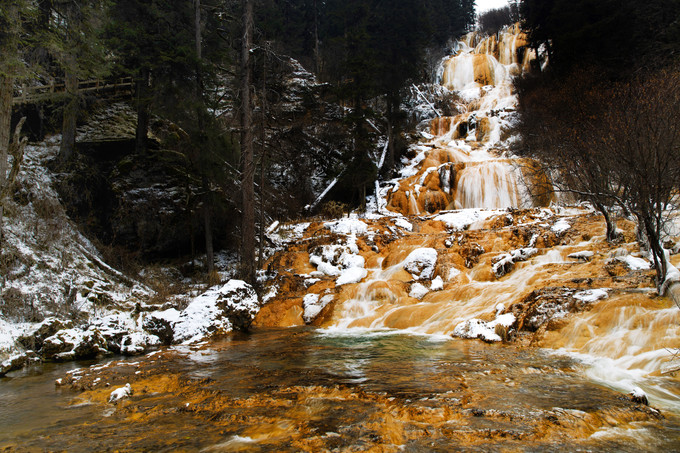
[
  {"x": 418, "y": 290},
  {"x": 560, "y": 227},
  {"x": 637, "y": 395},
  {"x": 17, "y": 361},
  {"x": 221, "y": 309},
  {"x": 312, "y": 305},
  {"x": 351, "y": 275},
  {"x": 583, "y": 255},
  {"x": 476, "y": 328},
  {"x": 465, "y": 218},
  {"x": 505, "y": 262},
  {"x": 437, "y": 284},
  {"x": 591, "y": 295},
  {"x": 348, "y": 225},
  {"x": 341, "y": 260},
  {"x": 120, "y": 393},
  {"x": 403, "y": 224},
  {"x": 69, "y": 344},
  {"x": 421, "y": 262},
  {"x": 635, "y": 263}
]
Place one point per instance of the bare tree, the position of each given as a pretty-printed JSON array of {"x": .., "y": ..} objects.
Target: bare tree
[
  {"x": 561, "y": 127},
  {"x": 611, "y": 144},
  {"x": 641, "y": 134}
]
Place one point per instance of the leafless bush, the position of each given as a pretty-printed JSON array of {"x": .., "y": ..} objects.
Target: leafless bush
[
  {"x": 333, "y": 210},
  {"x": 19, "y": 307}
]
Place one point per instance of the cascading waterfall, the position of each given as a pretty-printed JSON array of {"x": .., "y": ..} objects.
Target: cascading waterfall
[
  {"x": 481, "y": 74},
  {"x": 624, "y": 341}
]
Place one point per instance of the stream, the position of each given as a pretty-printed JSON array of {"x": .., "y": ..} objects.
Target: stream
[{"x": 305, "y": 389}]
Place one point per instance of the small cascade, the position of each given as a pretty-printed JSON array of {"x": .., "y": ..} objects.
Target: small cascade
[
  {"x": 626, "y": 341},
  {"x": 492, "y": 185}
]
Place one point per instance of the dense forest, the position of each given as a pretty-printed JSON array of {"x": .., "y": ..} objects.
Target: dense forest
[
  {"x": 197, "y": 68},
  {"x": 253, "y": 107}
]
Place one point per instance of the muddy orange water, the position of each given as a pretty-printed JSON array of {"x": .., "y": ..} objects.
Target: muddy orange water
[{"x": 310, "y": 390}]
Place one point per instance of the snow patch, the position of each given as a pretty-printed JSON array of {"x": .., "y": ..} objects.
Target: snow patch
[
  {"x": 560, "y": 227},
  {"x": 437, "y": 284},
  {"x": 214, "y": 311},
  {"x": 635, "y": 263},
  {"x": 312, "y": 305},
  {"x": 348, "y": 226},
  {"x": 403, "y": 224},
  {"x": 465, "y": 218},
  {"x": 591, "y": 295},
  {"x": 351, "y": 275}
]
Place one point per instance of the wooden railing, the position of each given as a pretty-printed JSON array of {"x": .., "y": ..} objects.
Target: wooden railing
[{"x": 36, "y": 94}]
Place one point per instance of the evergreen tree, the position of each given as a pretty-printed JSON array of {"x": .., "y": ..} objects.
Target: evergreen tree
[
  {"x": 76, "y": 47},
  {"x": 618, "y": 35}
]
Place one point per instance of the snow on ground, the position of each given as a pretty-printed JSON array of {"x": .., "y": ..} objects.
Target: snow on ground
[
  {"x": 560, "y": 227},
  {"x": 56, "y": 274},
  {"x": 635, "y": 263},
  {"x": 52, "y": 270},
  {"x": 348, "y": 225},
  {"x": 465, "y": 218}
]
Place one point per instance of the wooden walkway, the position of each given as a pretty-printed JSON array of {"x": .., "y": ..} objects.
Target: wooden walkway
[{"x": 36, "y": 94}]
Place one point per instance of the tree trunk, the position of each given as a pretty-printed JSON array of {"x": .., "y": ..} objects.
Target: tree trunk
[
  {"x": 648, "y": 236},
  {"x": 247, "y": 164},
  {"x": 6, "y": 85},
  {"x": 317, "y": 53},
  {"x": 197, "y": 28},
  {"x": 263, "y": 156},
  {"x": 143, "y": 103},
  {"x": 611, "y": 226},
  {"x": 389, "y": 160},
  {"x": 203, "y": 163},
  {"x": 209, "y": 251},
  {"x": 70, "y": 116}
]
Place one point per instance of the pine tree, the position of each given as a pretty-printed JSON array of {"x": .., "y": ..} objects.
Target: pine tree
[{"x": 247, "y": 162}]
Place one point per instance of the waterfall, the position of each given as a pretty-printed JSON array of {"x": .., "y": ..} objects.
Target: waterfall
[
  {"x": 463, "y": 165},
  {"x": 480, "y": 76}
]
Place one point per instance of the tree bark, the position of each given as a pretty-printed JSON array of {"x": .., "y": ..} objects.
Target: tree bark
[
  {"x": 70, "y": 116},
  {"x": 203, "y": 163},
  {"x": 209, "y": 251},
  {"x": 317, "y": 52},
  {"x": 6, "y": 84},
  {"x": 263, "y": 156},
  {"x": 247, "y": 164},
  {"x": 611, "y": 226},
  {"x": 143, "y": 106}
]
